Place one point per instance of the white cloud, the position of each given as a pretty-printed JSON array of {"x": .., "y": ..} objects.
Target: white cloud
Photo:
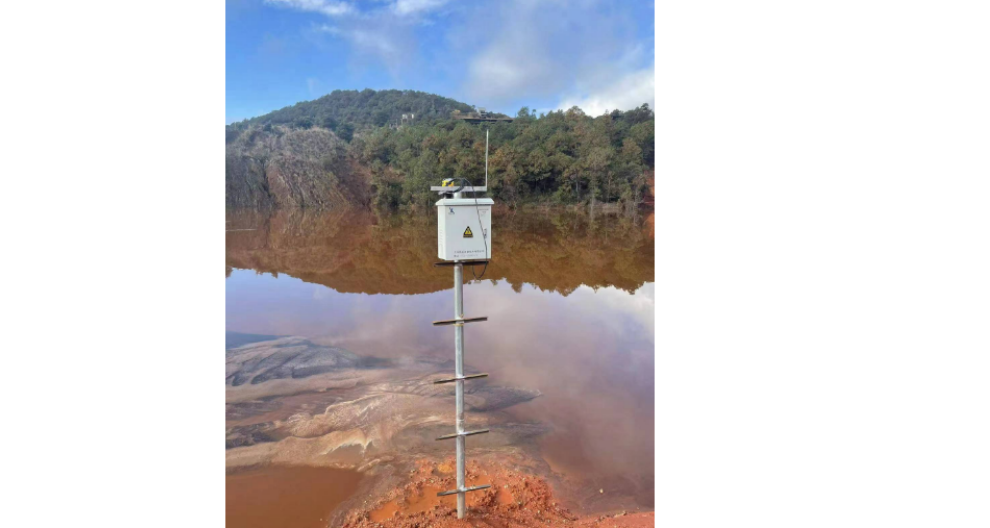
[
  {"x": 626, "y": 93},
  {"x": 551, "y": 49},
  {"x": 517, "y": 60},
  {"x": 575, "y": 52},
  {"x": 502, "y": 70},
  {"x": 386, "y": 42},
  {"x": 408, "y": 7},
  {"x": 377, "y": 43},
  {"x": 335, "y": 8},
  {"x": 381, "y": 29},
  {"x": 639, "y": 306},
  {"x": 327, "y": 7}
]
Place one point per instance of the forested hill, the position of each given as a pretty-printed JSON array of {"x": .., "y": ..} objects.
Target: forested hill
[
  {"x": 362, "y": 109},
  {"x": 354, "y": 148}
]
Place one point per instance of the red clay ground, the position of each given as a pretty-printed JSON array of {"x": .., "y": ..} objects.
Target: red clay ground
[{"x": 516, "y": 500}]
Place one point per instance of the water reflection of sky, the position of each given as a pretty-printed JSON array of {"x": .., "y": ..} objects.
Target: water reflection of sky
[{"x": 590, "y": 353}]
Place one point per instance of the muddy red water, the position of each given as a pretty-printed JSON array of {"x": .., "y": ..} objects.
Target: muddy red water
[
  {"x": 286, "y": 496},
  {"x": 569, "y": 298}
]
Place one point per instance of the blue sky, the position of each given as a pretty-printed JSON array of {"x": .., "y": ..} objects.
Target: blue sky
[{"x": 501, "y": 55}]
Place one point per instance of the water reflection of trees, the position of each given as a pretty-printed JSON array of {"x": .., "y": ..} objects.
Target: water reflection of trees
[{"x": 360, "y": 251}]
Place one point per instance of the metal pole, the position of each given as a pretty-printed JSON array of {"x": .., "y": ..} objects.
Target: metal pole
[
  {"x": 459, "y": 373},
  {"x": 459, "y": 378},
  {"x": 486, "y": 159}
]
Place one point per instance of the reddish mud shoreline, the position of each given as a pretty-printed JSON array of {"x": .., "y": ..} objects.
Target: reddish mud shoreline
[{"x": 516, "y": 499}]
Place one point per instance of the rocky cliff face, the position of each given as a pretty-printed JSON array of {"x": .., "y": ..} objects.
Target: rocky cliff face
[{"x": 281, "y": 167}]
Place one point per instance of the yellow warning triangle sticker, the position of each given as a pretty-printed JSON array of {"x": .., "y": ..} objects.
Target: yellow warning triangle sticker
[{"x": 468, "y": 233}]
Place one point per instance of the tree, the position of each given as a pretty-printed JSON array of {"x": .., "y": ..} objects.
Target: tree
[
  {"x": 639, "y": 115},
  {"x": 642, "y": 134},
  {"x": 345, "y": 131},
  {"x": 380, "y": 117},
  {"x": 564, "y": 156}
]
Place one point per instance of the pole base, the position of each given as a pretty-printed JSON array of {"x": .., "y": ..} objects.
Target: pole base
[{"x": 464, "y": 490}]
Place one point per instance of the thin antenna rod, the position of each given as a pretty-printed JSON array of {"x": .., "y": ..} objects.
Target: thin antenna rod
[{"x": 486, "y": 159}]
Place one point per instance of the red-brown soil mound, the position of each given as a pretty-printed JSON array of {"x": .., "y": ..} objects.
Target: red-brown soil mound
[{"x": 515, "y": 500}]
